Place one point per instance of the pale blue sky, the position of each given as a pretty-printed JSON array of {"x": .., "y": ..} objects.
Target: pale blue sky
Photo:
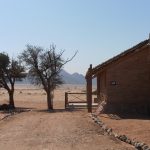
[{"x": 98, "y": 29}]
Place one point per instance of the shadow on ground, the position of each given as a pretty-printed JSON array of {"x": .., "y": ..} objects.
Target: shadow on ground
[
  {"x": 119, "y": 116},
  {"x": 17, "y": 110},
  {"x": 57, "y": 110},
  {"x": 134, "y": 116}
]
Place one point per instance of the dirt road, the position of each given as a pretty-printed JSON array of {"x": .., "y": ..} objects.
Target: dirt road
[{"x": 60, "y": 130}]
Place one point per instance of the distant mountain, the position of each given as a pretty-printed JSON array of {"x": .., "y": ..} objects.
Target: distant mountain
[
  {"x": 74, "y": 78},
  {"x": 67, "y": 78}
]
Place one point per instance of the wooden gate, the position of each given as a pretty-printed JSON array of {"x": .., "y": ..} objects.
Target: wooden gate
[{"x": 76, "y": 100}]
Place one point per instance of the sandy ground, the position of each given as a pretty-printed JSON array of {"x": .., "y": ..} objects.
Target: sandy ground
[
  {"x": 38, "y": 129},
  {"x": 137, "y": 127}
]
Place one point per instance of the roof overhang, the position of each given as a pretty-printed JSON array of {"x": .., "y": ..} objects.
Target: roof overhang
[{"x": 93, "y": 72}]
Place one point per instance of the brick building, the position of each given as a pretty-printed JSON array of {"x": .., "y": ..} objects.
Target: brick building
[{"x": 123, "y": 81}]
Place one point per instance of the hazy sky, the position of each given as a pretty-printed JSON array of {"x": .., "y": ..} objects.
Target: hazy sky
[{"x": 98, "y": 29}]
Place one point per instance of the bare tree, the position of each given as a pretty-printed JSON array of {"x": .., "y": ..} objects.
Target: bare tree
[
  {"x": 44, "y": 67},
  {"x": 10, "y": 70}
]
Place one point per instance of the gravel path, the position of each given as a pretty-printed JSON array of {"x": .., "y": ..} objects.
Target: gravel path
[{"x": 60, "y": 130}]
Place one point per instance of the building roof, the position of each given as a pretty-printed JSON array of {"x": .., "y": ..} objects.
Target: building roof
[{"x": 123, "y": 54}]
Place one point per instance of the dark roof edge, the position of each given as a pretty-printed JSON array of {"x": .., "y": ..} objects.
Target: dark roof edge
[{"x": 126, "y": 52}]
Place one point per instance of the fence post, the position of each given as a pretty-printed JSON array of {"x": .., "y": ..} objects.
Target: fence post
[
  {"x": 66, "y": 99},
  {"x": 89, "y": 89}
]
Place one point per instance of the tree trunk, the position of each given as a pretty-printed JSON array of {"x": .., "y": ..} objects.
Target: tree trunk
[
  {"x": 11, "y": 99},
  {"x": 49, "y": 101}
]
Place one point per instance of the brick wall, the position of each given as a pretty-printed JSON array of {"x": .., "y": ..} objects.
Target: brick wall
[
  {"x": 103, "y": 85},
  {"x": 127, "y": 81}
]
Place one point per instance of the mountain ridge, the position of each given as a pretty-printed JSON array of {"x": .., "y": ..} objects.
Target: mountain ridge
[
  {"x": 74, "y": 78},
  {"x": 67, "y": 78}
]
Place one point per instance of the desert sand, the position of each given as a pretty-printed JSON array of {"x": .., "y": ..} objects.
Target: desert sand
[{"x": 61, "y": 129}]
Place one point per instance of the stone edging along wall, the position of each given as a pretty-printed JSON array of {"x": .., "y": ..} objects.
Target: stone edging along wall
[{"x": 138, "y": 145}]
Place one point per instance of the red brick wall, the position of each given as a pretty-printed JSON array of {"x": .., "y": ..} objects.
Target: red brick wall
[
  {"x": 103, "y": 85},
  {"x": 132, "y": 77}
]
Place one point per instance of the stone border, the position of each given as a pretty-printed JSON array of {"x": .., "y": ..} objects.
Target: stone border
[{"x": 138, "y": 145}]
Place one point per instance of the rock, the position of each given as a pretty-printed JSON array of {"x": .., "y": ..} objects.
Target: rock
[
  {"x": 101, "y": 125},
  {"x": 116, "y": 135},
  {"x": 137, "y": 145},
  {"x": 123, "y": 138},
  {"x": 95, "y": 121},
  {"x": 109, "y": 130},
  {"x": 128, "y": 141},
  {"x": 133, "y": 142},
  {"x": 104, "y": 127},
  {"x": 98, "y": 122},
  {"x": 145, "y": 147},
  {"x": 141, "y": 144},
  {"x": 93, "y": 118}
]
